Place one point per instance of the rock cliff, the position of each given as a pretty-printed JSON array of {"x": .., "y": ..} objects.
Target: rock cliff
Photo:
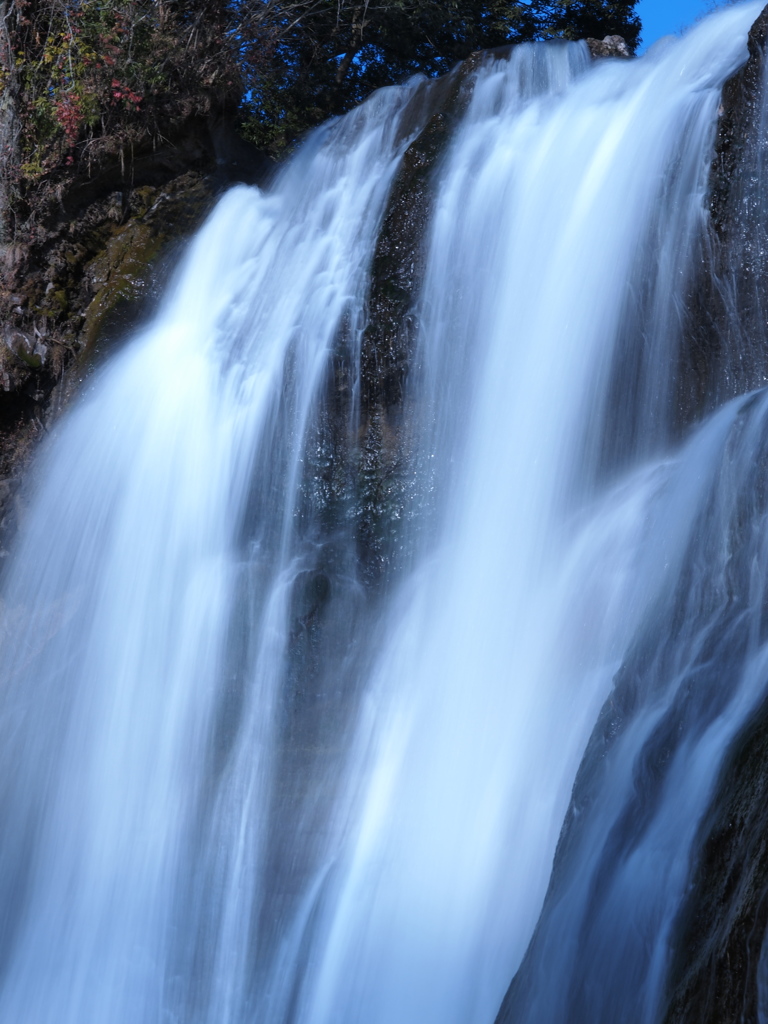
[
  {"x": 86, "y": 265},
  {"x": 719, "y": 972}
]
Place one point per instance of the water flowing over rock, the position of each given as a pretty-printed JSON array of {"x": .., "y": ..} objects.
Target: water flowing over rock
[
  {"x": 386, "y": 622},
  {"x": 85, "y": 264}
]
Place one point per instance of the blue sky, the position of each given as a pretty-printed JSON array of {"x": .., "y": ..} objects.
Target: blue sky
[{"x": 663, "y": 17}]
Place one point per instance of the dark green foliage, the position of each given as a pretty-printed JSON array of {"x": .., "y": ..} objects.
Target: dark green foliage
[
  {"x": 584, "y": 19},
  {"x": 90, "y": 77},
  {"x": 310, "y": 59}
]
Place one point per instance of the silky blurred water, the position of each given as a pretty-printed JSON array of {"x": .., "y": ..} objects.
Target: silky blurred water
[{"x": 236, "y": 785}]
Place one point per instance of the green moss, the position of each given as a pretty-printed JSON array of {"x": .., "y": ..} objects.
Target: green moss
[
  {"x": 30, "y": 359},
  {"x": 121, "y": 271}
]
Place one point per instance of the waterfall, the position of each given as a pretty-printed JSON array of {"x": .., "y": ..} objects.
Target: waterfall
[{"x": 245, "y": 779}]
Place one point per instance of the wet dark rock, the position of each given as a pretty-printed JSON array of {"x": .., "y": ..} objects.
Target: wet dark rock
[
  {"x": 686, "y": 663},
  {"x": 727, "y": 336},
  {"x": 87, "y": 267},
  {"x": 124, "y": 272},
  {"x": 358, "y": 476},
  {"x": 739, "y": 125},
  {"x": 398, "y": 263},
  {"x": 77, "y": 288},
  {"x": 387, "y": 356},
  {"x": 714, "y": 977},
  {"x": 611, "y": 46},
  {"x": 719, "y": 937}
]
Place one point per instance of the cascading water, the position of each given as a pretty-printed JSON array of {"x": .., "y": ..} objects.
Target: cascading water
[
  {"x": 239, "y": 783},
  {"x": 147, "y": 616}
]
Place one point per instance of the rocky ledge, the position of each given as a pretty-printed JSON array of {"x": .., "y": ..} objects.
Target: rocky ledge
[{"x": 86, "y": 268}]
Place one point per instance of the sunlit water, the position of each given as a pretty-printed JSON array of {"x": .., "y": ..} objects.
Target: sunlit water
[{"x": 237, "y": 787}]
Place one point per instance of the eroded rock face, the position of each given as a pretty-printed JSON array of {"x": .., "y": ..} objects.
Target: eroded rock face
[
  {"x": 79, "y": 284},
  {"x": 727, "y": 338},
  {"x": 740, "y": 131},
  {"x": 389, "y": 338},
  {"x": 611, "y": 46},
  {"x": 362, "y": 471},
  {"x": 718, "y": 960},
  {"x": 81, "y": 272},
  {"x": 719, "y": 969}
]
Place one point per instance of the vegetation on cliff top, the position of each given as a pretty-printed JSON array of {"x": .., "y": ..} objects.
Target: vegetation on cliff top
[
  {"x": 89, "y": 78},
  {"x": 334, "y": 52}
]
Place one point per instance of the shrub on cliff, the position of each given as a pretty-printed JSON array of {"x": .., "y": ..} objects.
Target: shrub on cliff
[
  {"x": 313, "y": 58},
  {"x": 87, "y": 78}
]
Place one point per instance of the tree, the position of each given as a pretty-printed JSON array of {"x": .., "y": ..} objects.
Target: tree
[
  {"x": 95, "y": 75},
  {"x": 307, "y": 59},
  {"x": 89, "y": 78}
]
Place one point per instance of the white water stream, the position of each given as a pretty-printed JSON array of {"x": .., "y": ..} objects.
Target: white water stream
[{"x": 172, "y": 850}]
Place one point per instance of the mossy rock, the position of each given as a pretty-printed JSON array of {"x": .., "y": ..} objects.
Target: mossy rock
[{"x": 122, "y": 274}]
